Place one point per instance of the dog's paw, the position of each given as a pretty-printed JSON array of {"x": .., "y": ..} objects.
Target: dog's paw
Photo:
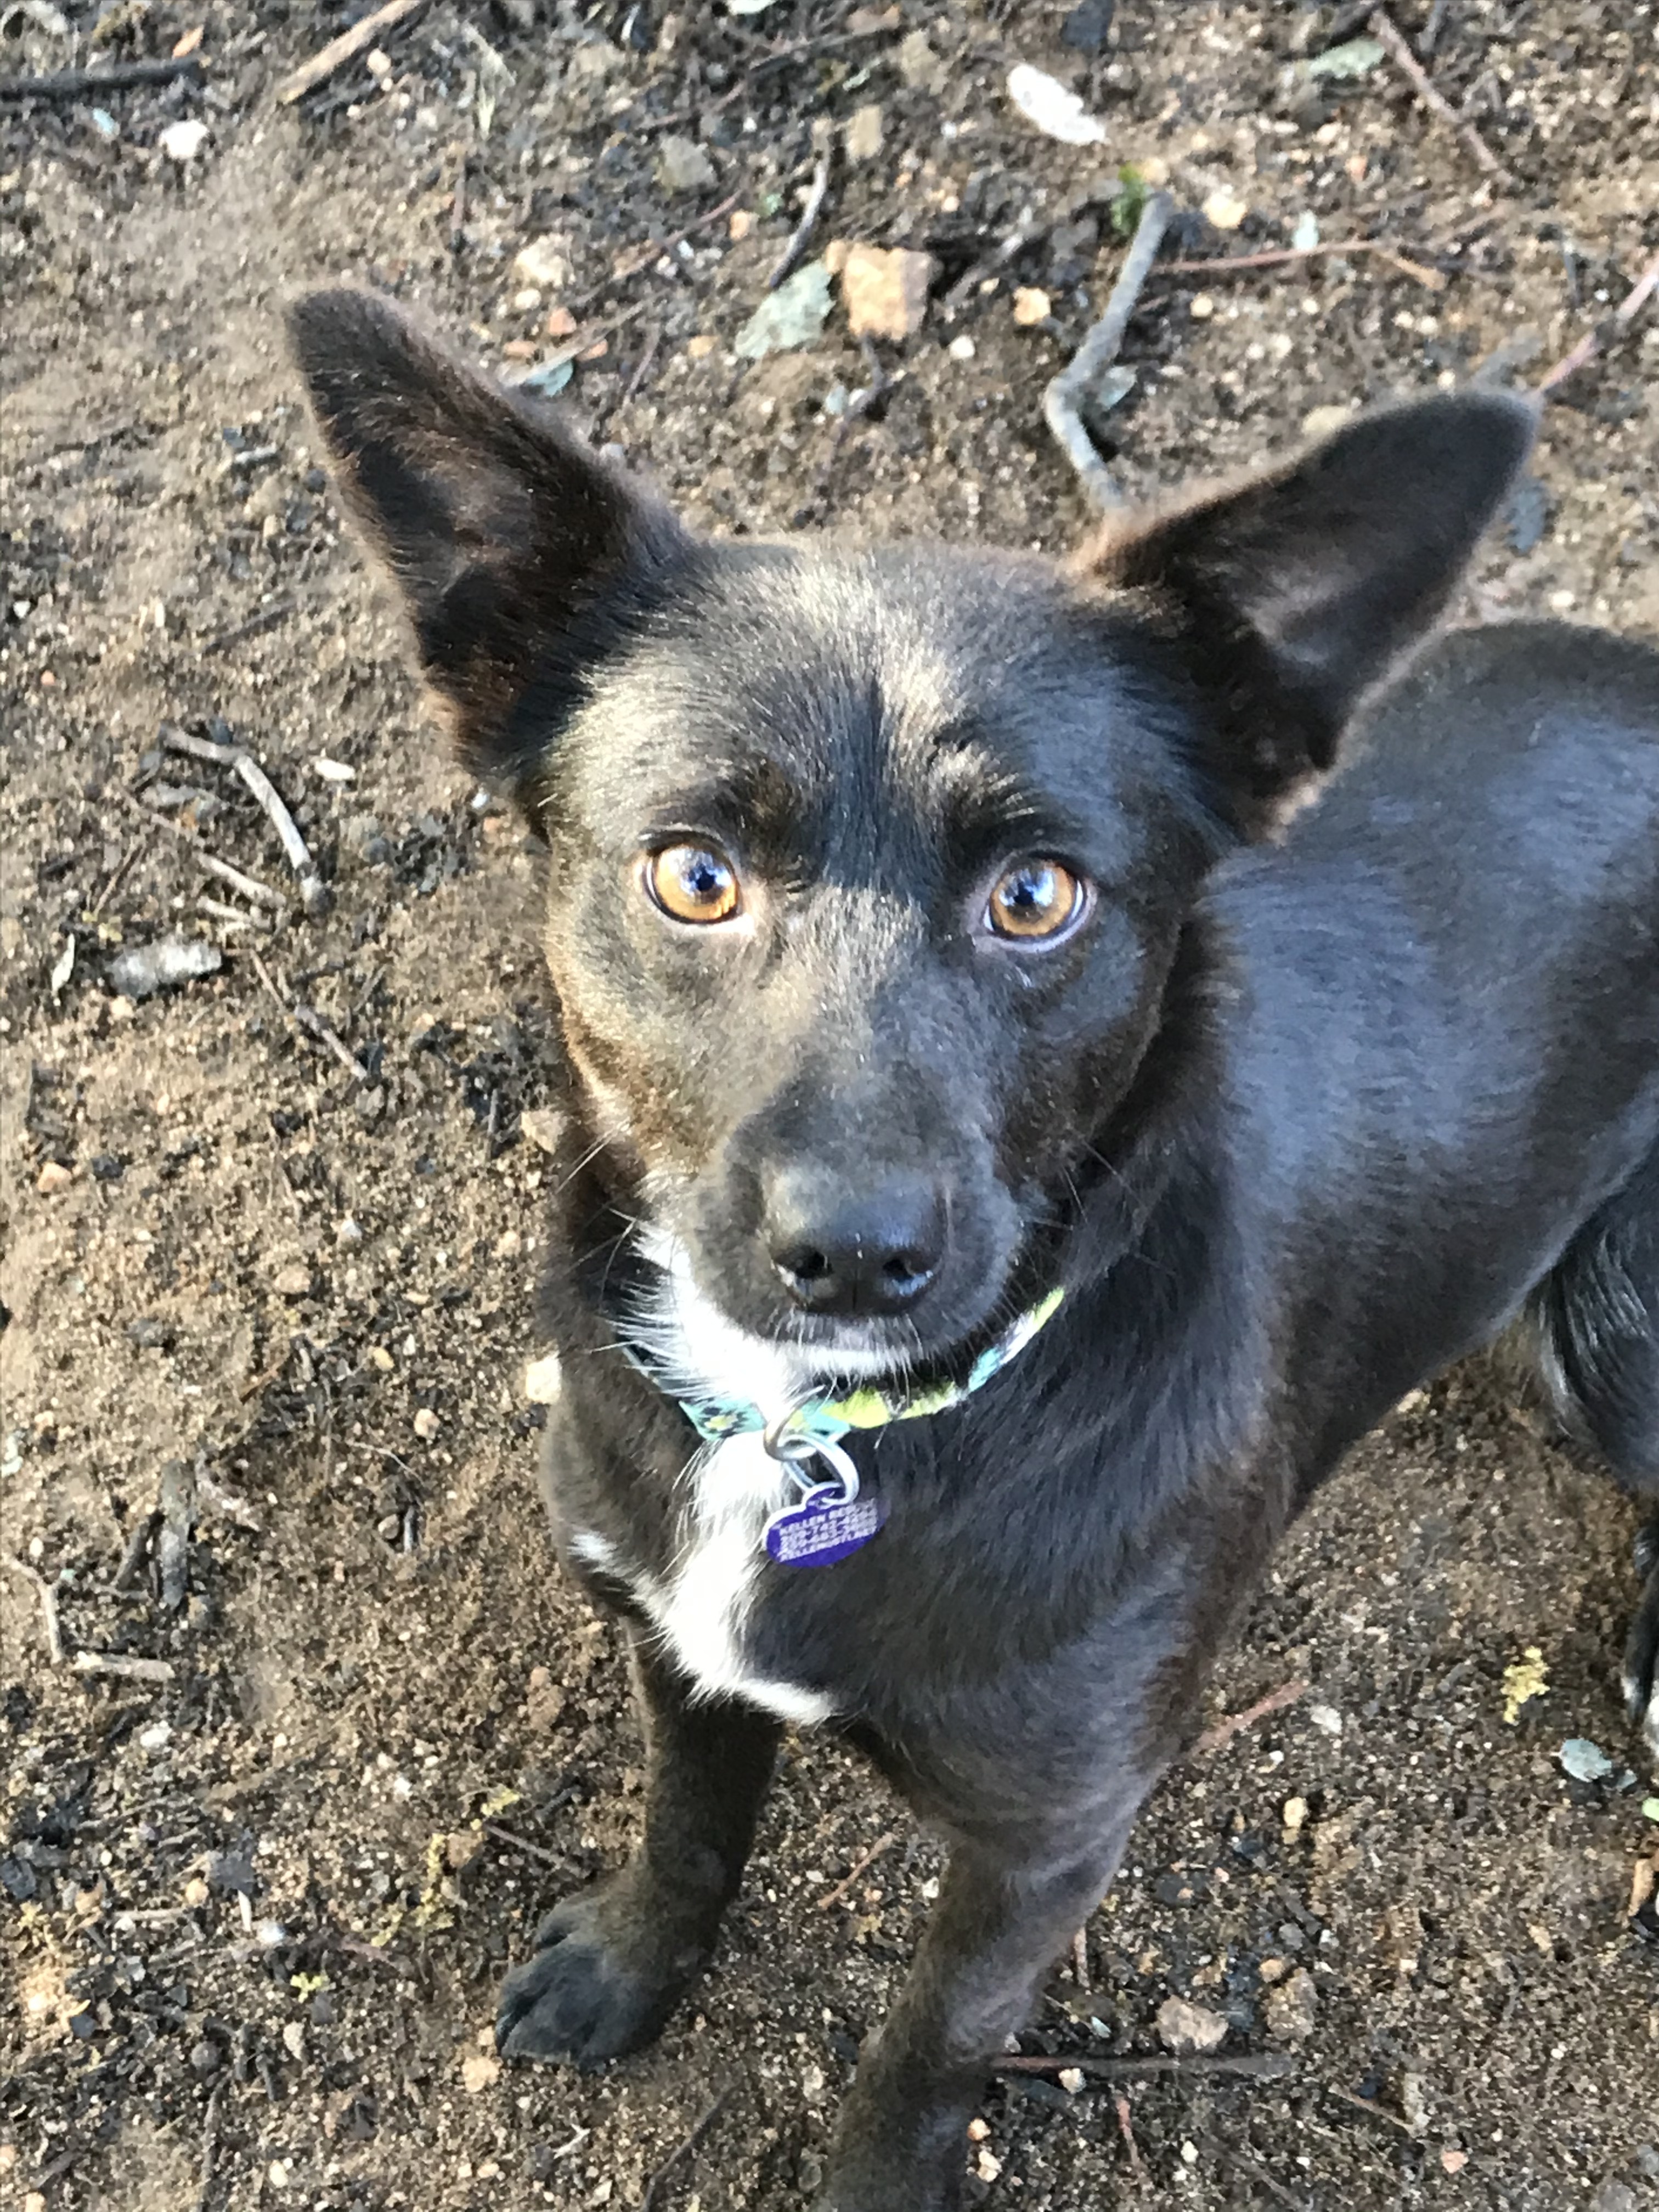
[
  {"x": 1641, "y": 1651},
  {"x": 605, "y": 1976}
]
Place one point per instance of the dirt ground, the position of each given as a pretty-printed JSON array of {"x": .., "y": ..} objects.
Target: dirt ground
[{"x": 254, "y": 1912}]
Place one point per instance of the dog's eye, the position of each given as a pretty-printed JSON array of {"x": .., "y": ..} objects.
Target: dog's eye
[
  {"x": 693, "y": 883},
  {"x": 1034, "y": 900}
]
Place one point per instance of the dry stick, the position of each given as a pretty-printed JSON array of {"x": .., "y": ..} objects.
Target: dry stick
[
  {"x": 312, "y": 895},
  {"x": 210, "y": 2135},
  {"x": 678, "y": 2157},
  {"x": 1126, "y": 2129},
  {"x": 1063, "y": 402},
  {"x": 249, "y": 887},
  {"x": 1428, "y": 36},
  {"x": 1232, "y": 2156},
  {"x": 521, "y": 1844},
  {"x": 1389, "y": 36},
  {"x": 1243, "y": 2066},
  {"x": 644, "y": 369},
  {"x": 803, "y": 230},
  {"x": 883, "y": 1843},
  {"x": 344, "y": 49},
  {"x": 310, "y": 1023},
  {"x": 652, "y": 250},
  {"x": 115, "y": 876},
  {"x": 89, "y": 84},
  {"x": 48, "y": 1603},
  {"x": 1620, "y": 319},
  {"x": 1225, "y": 265},
  {"x": 130, "y": 1670},
  {"x": 1368, "y": 2104},
  {"x": 265, "y": 618},
  {"x": 1224, "y": 1730}
]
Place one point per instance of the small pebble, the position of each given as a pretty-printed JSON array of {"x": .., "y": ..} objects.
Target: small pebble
[
  {"x": 1183, "y": 2026},
  {"x": 183, "y": 142},
  {"x": 53, "y": 1178},
  {"x": 1200, "y": 307},
  {"x": 1225, "y": 209},
  {"x": 1032, "y": 305},
  {"x": 1295, "y": 1815},
  {"x": 962, "y": 349},
  {"x": 426, "y": 1424},
  {"x": 1291, "y": 2011}
]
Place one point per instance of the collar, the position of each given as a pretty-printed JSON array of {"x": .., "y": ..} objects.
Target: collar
[{"x": 824, "y": 1421}]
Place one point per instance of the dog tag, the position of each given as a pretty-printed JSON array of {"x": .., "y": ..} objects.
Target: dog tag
[{"x": 826, "y": 1527}]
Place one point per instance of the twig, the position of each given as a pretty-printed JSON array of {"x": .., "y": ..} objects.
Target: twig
[
  {"x": 342, "y": 49},
  {"x": 584, "y": 340},
  {"x": 209, "y": 2134},
  {"x": 1389, "y": 36},
  {"x": 313, "y": 897},
  {"x": 651, "y": 251},
  {"x": 1428, "y": 36},
  {"x": 136, "y": 1553},
  {"x": 684, "y": 2151},
  {"x": 1243, "y": 2066},
  {"x": 48, "y": 1603},
  {"x": 1619, "y": 321},
  {"x": 1070, "y": 391},
  {"x": 249, "y": 887},
  {"x": 309, "y": 1023},
  {"x": 175, "y": 740},
  {"x": 1369, "y": 2105},
  {"x": 1126, "y": 2129},
  {"x": 265, "y": 618},
  {"x": 1080, "y": 1960},
  {"x": 1230, "y": 2156},
  {"x": 775, "y": 59},
  {"x": 644, "y": 369},
  {"x": 91, "y": 84},
  {"x": 234, "y": 918},
  {"x": 177, "y": 1512},
  {"x": 809, "y": 214},
  {"x": 130, "y": 1670},
  {"x": 114, "y": 878},
  {"x": 521, "y": 1844},
  {"x": 883, "y": 1843},
  {"x": 1225, "y": 265},
  {"x": 1224, "y": 1730}
]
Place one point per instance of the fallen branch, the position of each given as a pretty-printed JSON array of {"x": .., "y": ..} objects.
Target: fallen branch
[
  {"x": 48, "y": 1603},
  {"x": 1618, "y": 322},
  {"x": 883, "y": 1843},
  {"x": 1388, "y": 36},
  {"x": 335, "y": 55},
  {"x": 1244, "y": 2066},
  {"x": 93, "y": 84},
  {"x": 128, "y": 1670},
  {"x": 249, "y": 887},
  {"x": 1228, "y": 264},
  {"x": 313, "y": 895},
  {"x": 809, "y": 216},
  {"x": 1222, "y": 1733},
  {"x": 682, "y": 2151},
  {"x": 1070, "y": 392}
]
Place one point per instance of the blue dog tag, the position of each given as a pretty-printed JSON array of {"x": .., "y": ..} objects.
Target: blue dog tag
[{"x": 827, "y": 1526}]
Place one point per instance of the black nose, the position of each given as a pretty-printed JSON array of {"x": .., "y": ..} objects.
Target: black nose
[{"x": 840, "y": 1251}]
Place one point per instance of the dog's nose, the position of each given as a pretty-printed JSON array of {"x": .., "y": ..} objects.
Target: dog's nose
[{"x": 846, "y": 1251}]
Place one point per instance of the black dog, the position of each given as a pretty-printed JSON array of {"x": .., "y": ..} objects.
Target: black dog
[{"x": 1021, "y": 1164}]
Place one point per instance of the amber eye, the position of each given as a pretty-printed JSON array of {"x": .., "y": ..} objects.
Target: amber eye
[
  {"x": 1034, "y": 900},
  {"x": 693, "y": 883}
]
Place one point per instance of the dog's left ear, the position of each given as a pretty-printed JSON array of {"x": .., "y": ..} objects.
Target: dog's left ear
[
  {"x": 520, "y": 554},
  {"x": 1290, "y": 596}
]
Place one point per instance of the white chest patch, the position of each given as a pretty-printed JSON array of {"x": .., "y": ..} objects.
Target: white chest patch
[{"x": 702, "y": 1606}]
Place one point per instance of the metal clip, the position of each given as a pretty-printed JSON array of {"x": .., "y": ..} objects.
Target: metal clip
[{"x": 797, "y": 1450}]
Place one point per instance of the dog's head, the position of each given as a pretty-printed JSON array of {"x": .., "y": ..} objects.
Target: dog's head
[{"x": 868, "y": 869}]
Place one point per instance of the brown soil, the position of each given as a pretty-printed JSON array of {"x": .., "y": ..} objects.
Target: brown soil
[{"x": 255, "y": 1915}]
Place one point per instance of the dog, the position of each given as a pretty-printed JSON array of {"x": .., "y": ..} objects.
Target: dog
[{"x": 1054, "y": 1054}]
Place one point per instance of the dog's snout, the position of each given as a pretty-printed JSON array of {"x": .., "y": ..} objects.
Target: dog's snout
[{"x": 850, "y": 1252}]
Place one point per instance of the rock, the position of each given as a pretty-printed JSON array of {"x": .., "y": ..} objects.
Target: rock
[
  {"x": 146, "y": 969},
  {"x": 425, "y": 1424},
  {"x": 1201, "y": 306},
  {"x": 789, "y": 318},
  {"x": 1058, "y": 113},
  {"x": 183, "y": 142},
  {"x": 53, "y": 1178},
  {"x": 864, "y": 133},
  {"x": 962, "y": 349},
  {"x": 479, "y": 2071},
  {"x": 1292, "y": 2008},
  {"x": 1182, "y": 2026},
  {"x": 1225, "y": 209},
  {"x": 545, "y": 262},
  {"x": 1583, "y": 1761},
  {"x": 461, "y": 1847},
  {"x": 1086, "y": 29},
  {"x": 885, "y": 290},
  {"x": 1030, "y": 306},
  {"x": 293, "y": 1281},
  {"x": 919, "y": 65},
  {"x": 544, "y": 1125},
  {"x": 683, "y": 165}
]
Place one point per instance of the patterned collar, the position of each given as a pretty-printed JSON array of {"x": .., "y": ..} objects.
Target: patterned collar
[{"x": 819, "y": 1421}]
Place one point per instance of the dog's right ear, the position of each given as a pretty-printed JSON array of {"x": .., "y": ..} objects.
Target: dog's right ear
[{"x": 520, "y": 552}]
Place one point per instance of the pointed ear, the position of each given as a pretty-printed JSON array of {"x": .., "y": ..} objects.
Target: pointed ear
[
  {"x": 1290, "y": 596},
  {"x": 520, "y": 553}
]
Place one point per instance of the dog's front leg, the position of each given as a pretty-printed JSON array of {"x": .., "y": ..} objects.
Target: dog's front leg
[
  {"x": 611, "y": 1963},
  {"x": 1002, "y": 1919}
]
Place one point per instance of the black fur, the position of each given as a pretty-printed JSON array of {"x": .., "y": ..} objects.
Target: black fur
[{"x": 1297, "y": 1115}]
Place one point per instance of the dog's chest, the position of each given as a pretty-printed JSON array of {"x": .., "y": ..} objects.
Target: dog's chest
[{"x": 700, "y": 1591}]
